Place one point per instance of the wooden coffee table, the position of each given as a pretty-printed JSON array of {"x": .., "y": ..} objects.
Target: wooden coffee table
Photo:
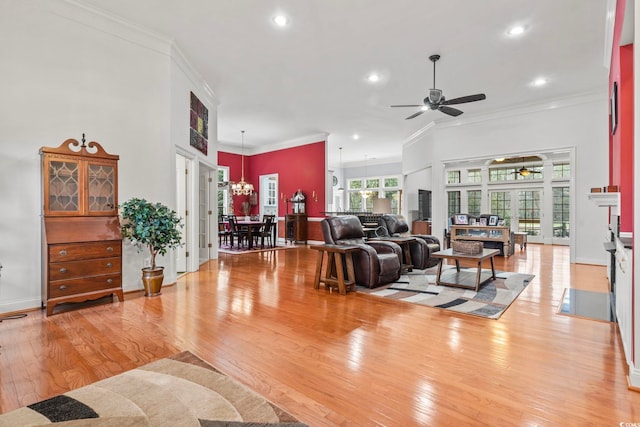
[{"x": 465, "y": 279}]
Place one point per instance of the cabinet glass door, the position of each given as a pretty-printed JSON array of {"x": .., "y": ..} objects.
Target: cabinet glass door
[
  {"x": 102, "y": 188},
  {"x": 64, "y": 189}
]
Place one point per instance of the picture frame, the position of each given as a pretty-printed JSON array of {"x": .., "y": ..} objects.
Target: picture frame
[
  {"x": 501, "y": 223},
  {"x": 198, "y": 125},
  {"x": 493, "y": 220},
  {"x": 483, "y": 221},
  {"x": 613, "y": 106},
  {"x": 461, "y": 219}
]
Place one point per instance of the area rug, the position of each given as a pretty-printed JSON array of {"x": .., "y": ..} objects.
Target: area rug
[
  {"x": 178, "y": 391},
  {"x": 235, "y": 250},
  {"x": 491, "y": 300}
]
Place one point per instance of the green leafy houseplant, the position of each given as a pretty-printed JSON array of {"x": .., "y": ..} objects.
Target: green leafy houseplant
[{"x": 151, "y": 224}]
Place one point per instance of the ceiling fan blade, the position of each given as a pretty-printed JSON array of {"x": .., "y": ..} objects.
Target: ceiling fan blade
[
  {"x": 415, "y": 114},
  {"x": 406, "y": 105},
  {"x": 450, "y": 111},
  {"x": 463, "y": 99}
]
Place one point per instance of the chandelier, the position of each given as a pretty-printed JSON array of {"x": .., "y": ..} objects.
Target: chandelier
[{"x": 242, "y": 188}]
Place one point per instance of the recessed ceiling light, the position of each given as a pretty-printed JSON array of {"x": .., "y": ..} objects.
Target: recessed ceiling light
[
  {"x": 356, "y": 136},
  {"x": 516, "y": 30},
  {"x": 280, "y": 20},
  {"x": 540, "y": 81},
  {"x": 373, "y": 77},
  {"x": 424, "y": 108}
]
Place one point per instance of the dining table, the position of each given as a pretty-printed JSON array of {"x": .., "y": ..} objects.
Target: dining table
[{"x": 252, "y": 227}]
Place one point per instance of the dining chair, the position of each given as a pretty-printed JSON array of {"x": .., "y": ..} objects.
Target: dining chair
[
  {"x": 267, "y": 230},
  {"x": 237, "y": 231},
  {"x": 223, "y": 230}
]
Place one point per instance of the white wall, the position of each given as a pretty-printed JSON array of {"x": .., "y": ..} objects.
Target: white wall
[
  {"x": 579, "y": 123},
  {"x": 67, "y": 71}
]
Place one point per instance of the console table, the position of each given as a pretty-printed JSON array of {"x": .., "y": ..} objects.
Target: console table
[{"x": 482, "y": 233}]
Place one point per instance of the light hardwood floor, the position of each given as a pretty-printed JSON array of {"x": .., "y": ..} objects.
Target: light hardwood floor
[{"x": 345, "y": 360}]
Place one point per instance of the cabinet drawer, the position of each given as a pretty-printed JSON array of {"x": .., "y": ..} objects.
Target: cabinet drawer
[
  {"x": 61, "y": 288},
  {"x": 90, "y": 267},
  {"x": 78, "y": 251}
]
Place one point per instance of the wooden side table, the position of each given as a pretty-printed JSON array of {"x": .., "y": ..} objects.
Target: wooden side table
[
  {"x": 338, "y": 256},
  {"x": 405, "y": 243},
  {"x": 520, "y": 238}
]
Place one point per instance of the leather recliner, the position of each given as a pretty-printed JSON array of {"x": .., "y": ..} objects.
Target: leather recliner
[
  {"x": 376, "y": 263},
  {"x": 421, "y": 249}
]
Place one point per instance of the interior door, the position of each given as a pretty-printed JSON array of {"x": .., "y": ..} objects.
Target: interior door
[
  {"x": 181, "y": 208},
  {"x": 269, "y": 196},
  {"x": 207, "y": 202}
]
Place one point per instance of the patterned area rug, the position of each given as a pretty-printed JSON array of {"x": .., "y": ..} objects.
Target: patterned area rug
[
  {"x": 419, "y": 287},
  {"x": 235, "y": 250},
  {"x": 179, "y": 391}
]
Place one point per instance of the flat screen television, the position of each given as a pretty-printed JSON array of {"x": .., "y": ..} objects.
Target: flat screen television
[{"x": 424, "y": 204}]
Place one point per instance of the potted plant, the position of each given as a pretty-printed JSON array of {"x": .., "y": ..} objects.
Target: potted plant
[{"x": 155, "y": 226}]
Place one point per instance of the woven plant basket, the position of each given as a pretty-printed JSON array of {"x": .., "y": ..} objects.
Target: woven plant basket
[{"x": 470, "y": 248}]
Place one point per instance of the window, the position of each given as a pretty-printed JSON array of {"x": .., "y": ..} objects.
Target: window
[
  {"x": 501, "y": 205},
  {"x": 561, "y": 212},
  {"x": 453, "y": 177},
  {"x": 474, "y": 198},
  {"x": 453, "y": 202},
  {"x": 561, "y": 171},
  {"x": 501, "y": 174},
  {"x": 376, "y": 187},
  {"x": 474, "y": 176},
  {"x": 223, "y": 191},
  {"x": 513, "y": 174}
]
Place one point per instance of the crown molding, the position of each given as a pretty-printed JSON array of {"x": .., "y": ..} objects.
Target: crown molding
[
  {"x": 524, "y": 109},
  {"x": 108, "y": 23},
  {"x": 101, "y": 20},
  {"x": 297, "y": 142},
  {"x": 181, "y": 61}
]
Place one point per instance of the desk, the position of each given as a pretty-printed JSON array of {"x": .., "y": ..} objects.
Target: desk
[
  {"x": 337, "y": 256},
  {"x": 405, "y": 244},
  {"x": 464, "y": 279}
]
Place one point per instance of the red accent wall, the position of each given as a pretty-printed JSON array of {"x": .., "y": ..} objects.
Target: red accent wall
[
  {"x": 621, "y": 143},
  {"x": 302, "y": 167}
]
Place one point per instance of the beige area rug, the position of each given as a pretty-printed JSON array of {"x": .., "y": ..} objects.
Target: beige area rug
[
  {"x": 178, "y": 391},
  {"x": 491, "y": 301}
]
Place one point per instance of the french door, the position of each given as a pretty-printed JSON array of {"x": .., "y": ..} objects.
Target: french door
[{"x": 522, "y": 209}]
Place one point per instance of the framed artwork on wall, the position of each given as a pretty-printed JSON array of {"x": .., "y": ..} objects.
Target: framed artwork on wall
[
  {"x": 198, "y": 125},
  {"x": 614, "y": 108}
]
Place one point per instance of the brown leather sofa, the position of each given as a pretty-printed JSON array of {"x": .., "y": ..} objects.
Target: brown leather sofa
[
  {"x": 421, "y": 249},
  {"x": 376, "y": 263}
]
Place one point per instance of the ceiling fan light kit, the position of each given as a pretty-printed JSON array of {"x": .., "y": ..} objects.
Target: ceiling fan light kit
[{"x": 436, "y": 100}]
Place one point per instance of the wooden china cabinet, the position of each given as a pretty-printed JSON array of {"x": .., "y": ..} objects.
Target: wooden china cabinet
[{"x": 82, "y": 241}]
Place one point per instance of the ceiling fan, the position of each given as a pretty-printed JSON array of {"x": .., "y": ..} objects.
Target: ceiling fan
[
  {"x": 524, "y": 171},
  {"x": 437, "y": 101}
]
